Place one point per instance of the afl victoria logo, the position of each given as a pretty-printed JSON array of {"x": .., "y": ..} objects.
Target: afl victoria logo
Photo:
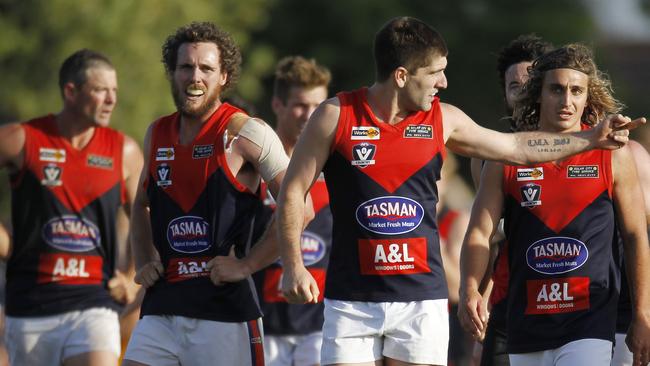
[
  {"x": 556, "y": 255},
  {"x": 71, "y": 234},
  {"x": 313, "y": 248},
  {"x": 189, "y": 234},
  {"x": 390, "y": 215}
]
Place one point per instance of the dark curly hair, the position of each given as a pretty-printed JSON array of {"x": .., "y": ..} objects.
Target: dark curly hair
[
  {"x": 600, "y": 98},
  {"x": 406, "y": 42},
  {"x": 229, "y": 55},
  {"x": 525, "y": 48}
]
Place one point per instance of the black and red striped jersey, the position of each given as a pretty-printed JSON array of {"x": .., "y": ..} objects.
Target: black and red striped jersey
[
  {"x": 382, "y": 184},
  {"x": 64, "y": 207},
  {"x": 559, "y": 224},
  {"x": 198, "y": 210}
]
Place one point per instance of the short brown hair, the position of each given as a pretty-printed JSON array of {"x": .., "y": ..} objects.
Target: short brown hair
[
  {"x": 298, "y": 71},
  {"x": 195, "y": 32},
  {"x": 600, "y": 96},
  {"x": 407, "y": 42},
  {"x": 74, "y": 67}
]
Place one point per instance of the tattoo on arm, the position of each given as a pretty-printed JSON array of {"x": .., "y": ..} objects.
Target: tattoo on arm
[{"x": 562, "y": 141}]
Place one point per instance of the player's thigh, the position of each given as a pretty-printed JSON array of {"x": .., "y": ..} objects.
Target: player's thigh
[
  {"x": 153, "y": 342},
  {"x": 94, "y": 336},
  {"x": 307, "y": 351}
]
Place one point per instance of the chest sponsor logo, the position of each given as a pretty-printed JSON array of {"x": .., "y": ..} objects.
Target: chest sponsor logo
[
  {"x": 363, "y": 154},
  {"x": 98, "y": 161},
  {"x": 313, "y": 248},
  {"x": 527, "y": 174},
  {"x": 559, "y": 295},
  {"x": 418, "y": 132},
  {"x": 393, "y": 257},
  {"x": 164, "y": 173},
  {"x": 390, "y": 215},
  {"x": 272, "y": 287},
  {"x": 71, "y": 234},
  {"x": 530, "y": 195},
  {"x": 51, "y": 155},
  {"x": 52, "y": 175},
  {"x": 67, "y": 269},
  {"x": 189, "y": 234},
  {"x": 202, "y": 151},
  {"x": 365, "y": 133},
  {"x": 165, "y": 154},
  {"x": 182, "y": 269},
  {"x": 556, "y": 255},
  {"x": 582, "y": 171}
]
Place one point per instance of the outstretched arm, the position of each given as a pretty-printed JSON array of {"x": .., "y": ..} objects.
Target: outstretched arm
[
  {"x": 464, "y": 136},
  {"x": 630, "y": 209},
  {"x": 308, "y": 159},
  {"x": 475, "y": 253}
]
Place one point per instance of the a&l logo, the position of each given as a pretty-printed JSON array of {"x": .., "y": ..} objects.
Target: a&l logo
[
  {"x": 363, "y": 154},
  {"x": 52, "y": 175},
  {"x": 530, "y": 195},
  {"x": 164, "y": 175}
]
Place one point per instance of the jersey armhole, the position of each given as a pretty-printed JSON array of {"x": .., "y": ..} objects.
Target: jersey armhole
[
  {"x": 16, "y": 177},
  {"x": 342, "y": 123}
]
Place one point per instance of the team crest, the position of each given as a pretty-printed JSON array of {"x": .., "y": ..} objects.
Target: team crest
[
  {"x": 52, "y": 175},
  {"x": 164, "y": 172},
  {"x": 530, "y": 195},
  {"x": 363, "y": 154}
]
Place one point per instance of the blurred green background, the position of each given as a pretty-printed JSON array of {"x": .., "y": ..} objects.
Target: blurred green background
[{"x": 36, "y": 36}]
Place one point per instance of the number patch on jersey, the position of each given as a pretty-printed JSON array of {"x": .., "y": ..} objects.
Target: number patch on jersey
[
  {"x": 393, "y": 256},
  {"x": 558, "y": 295}
]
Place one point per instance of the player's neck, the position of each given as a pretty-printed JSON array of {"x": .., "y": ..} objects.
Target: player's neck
[
  {"x": 383, "y": 102},
  {"x": 75, "y": 129}
]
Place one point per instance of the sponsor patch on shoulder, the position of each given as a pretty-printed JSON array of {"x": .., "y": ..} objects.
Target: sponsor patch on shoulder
[
  {"x": 165, "y": 153},
  {"x": 418, "y": 132},
  {"x": 526, "y": 174},
  {"x": 365, "y": 133},
  {"x": 202, "y": 151},
  {"x": 99, "y": 161},
  {"x": 51, "y": 155},
  {"x": 582, "y": 171}
]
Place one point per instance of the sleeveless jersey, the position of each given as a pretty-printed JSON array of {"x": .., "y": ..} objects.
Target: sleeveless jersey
[
  {"x": 64, "y": 207},
  {"x": 280, "y": 317},
  {"x": 559, "y": 224},
  {"x": 198, "y": 211},
  {"x": 382, "y": 184}
]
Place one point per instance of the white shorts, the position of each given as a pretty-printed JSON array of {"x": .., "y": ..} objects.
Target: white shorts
[
  {"x": 415, "y": 332},
  {"x": 592, "y": 352},
  {"x": 622, "y": 354},
  {"x": 293, "y": 350},
  {"x": 178, "y": 340},
  {"x": 52, "y": 339}
]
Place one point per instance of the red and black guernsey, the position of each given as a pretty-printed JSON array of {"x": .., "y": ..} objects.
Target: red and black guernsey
[
  {"x": 64, "y": 207},
  {"x": 280, "y": 317},
  {"x": 198, "y": 211},
  {"x": 382, "y": 184},
  {"x": 560, "y": 227}
]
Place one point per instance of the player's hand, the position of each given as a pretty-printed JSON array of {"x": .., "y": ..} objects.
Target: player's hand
[
  {"x": 122, "y": 288},
  {"x": 638, "y": 340},
  {"x": 228, "y": 268},
  {"x": 299, "y": 286},
  {"x": 148, "y": 274},
  {"x": 472, "y": 313},
  {"x": 613, "y": 132}
]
